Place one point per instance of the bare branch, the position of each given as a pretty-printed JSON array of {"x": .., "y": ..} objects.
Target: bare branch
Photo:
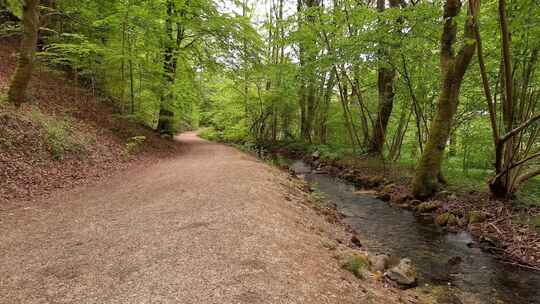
[
  {"x": 520, "y": 128},
  {"x": 523, "y": 178}
]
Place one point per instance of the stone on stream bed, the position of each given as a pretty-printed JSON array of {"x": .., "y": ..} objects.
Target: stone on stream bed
[
  {"x": 404, "y": 273},
  {"x": 476, "y": 217},
  {"x": 446, "y": 219},
  {"x": 379, "y": 262},
  {"x": 428, "y": 206},
  {"x": 355, "y": 241}
]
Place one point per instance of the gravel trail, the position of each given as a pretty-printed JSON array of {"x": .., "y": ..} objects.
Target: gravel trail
[{"x": 211, "y": 225}]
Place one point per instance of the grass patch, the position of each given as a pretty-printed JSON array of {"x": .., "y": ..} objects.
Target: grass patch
[
  {"x": 529, "y": 194},
  {"x": 356, "y": 264},
  {"x": 60, "y": 136},
  {"x": 3, "y": 97}
]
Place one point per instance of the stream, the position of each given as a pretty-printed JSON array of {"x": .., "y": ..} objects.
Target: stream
[{"x": 477, "y": 278}]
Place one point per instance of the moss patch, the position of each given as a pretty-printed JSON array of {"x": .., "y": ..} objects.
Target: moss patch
[
  {"x": 427, "y": 207},
  {"x": 357, "y": 264},
  {"x": 476, "y": 217}
]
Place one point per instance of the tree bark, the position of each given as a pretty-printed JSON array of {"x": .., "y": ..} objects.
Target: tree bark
[
  {"x": 25, "y": 64},
  {"x": 386, "y": 97},
  {"x": 453, "y": 67},
  {"x": 307, "y": 53},
  {"x": 512, "y": 151},
  {"x": 386, "y": 103},
  {"x": 166, "y": 116}
]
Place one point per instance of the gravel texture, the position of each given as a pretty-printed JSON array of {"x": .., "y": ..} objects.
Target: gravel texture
[{"x": 212, "y": 225}]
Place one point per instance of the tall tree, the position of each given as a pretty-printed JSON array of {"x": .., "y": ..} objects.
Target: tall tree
[
  {"x": 453, "y": 67},
  {"x": 25, "y": 64},
  {"x": 307, "y": 53},
  {"x": 515, "y": 147},
  {"x": 385, "y": 84}
]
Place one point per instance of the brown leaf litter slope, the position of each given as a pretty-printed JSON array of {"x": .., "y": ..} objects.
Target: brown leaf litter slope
[
  {"x": 61, "y": 116},
  {"x": 211, "y": 225}
]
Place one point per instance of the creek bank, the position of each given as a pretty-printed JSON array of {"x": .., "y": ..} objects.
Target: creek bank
[
  {"x": 450, "y": 267},
  {"x": 353, "y": 257},
  {"x": 442, "y": 259},
  {"x": 497, "y": 226}
]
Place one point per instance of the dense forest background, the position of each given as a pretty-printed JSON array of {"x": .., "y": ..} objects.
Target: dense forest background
[{"x": 449, "y": 88}]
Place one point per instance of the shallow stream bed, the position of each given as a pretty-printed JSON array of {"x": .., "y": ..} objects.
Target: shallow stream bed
[{"x": 476, "y": 277}]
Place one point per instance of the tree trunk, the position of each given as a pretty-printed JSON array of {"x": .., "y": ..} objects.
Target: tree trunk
[
  {"x": 166, "y": 116},
  {"x": 25, "y": 64},
  {"x": 386, "y": 97},
  {"x": 453, "y": 67},
  {"x": 308, "y": 91},
  {"x": 513, "y": 150},
  {"x": 386, "y": 103},
  {"x": 323, "y": 120}
]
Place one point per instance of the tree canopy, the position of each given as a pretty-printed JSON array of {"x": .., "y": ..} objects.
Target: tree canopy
[{"x": 451, "y": 85}]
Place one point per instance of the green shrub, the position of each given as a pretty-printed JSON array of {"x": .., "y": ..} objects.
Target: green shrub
[
  {"x": 236, "y": 133},
  {"x": 356, "y": 264},
  {"x": 211, "y": 134},
  {"x": 59, "y": 135}
]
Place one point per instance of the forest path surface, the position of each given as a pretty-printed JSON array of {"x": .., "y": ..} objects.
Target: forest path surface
[{"x": 211, "y": 225}]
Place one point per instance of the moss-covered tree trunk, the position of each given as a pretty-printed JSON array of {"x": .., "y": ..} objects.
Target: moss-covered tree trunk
[
  {"x": 25, "y": 64},
  {"x": 453, "y": 68}
]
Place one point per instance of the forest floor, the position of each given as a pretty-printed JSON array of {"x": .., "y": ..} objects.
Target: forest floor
[
  {"x": 65, "y": 136},
  {"x": 209, "y": 225}
]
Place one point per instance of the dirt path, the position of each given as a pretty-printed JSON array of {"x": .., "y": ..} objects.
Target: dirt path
[{"x": 209, "y": 226}]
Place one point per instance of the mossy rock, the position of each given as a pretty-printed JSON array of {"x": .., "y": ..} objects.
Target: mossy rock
[
  {"x": 446, "y": 219},
  {"x": 376, "y": 181},
  {"x": 426, "y": 207},
  {"x": 442, "y": 219},
  {"x": 415, "y": 202},
  {"x": 388, "y": 188},
  {"x": 476, "y": 217},
  {"x": 404, "y": 273}
]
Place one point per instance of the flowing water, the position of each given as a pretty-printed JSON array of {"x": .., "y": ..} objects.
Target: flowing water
[{"x": 477, "y": 277}]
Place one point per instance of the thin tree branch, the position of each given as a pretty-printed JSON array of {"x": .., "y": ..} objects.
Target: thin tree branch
[{"x": 520, "y": 128}]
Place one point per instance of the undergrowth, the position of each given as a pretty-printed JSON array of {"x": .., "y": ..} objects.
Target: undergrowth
[
  {"x": 133, "y": 145},
  {"x": 356, "y": 264},
  {"x": 60, "y": 136}
]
